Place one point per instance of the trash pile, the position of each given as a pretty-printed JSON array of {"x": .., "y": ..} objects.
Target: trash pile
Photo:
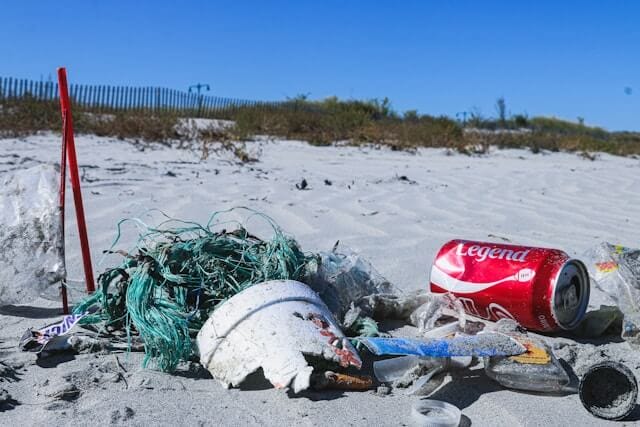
[{"x": 236, "y": 303}]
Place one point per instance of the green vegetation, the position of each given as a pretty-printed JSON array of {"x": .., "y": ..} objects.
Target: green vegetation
[
  {"x": 357, "y": 122},
  {"x": 328, "y": 121},
  {"x": 27, "y": 115}
]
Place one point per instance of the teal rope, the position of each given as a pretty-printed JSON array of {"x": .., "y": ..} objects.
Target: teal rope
[{"x": 179, "y": 274}]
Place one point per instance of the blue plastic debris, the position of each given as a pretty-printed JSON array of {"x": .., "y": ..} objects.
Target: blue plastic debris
[{"x": 481, "y": 345}]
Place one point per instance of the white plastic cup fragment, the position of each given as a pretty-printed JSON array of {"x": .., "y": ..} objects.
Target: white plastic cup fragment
[{"x": 273, "y": 326}]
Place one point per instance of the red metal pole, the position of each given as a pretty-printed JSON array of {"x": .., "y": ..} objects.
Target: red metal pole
[
  {"x": 65, "y": 106},
  {"x": 61, "y": 204}
]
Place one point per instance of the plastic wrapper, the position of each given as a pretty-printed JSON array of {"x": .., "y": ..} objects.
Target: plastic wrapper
[
  {"x": 615, "y": 270},
  {"x": 354, "y": 290},
  {"x": 343, "y": 278},
  {"x": 426, "y": 317},
  {"x": 32, "y": 250}
]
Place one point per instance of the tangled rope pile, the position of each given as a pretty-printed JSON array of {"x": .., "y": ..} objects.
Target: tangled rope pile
[{"x": 177, "y": 276}]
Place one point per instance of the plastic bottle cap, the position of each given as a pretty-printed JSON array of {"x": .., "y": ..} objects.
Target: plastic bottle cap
[{"x": 435, "y": 413}]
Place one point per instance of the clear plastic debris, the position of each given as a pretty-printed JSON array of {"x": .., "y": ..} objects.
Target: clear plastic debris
[
  {"x": 32, "y": 250},
  {"x": 615, "y": 270},
  {"x": 344, "y": 278},
  {"x": 536, "y": 370},
  {"x": 435, "y": 413},
  {"x": 419, "y": 375},
  {"x": 397, "y": 305},
  {"x": 428, "y": 314}
]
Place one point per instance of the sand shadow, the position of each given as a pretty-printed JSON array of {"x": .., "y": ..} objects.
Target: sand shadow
[
  {"x": 8, "y": 403},
  {"x": 195, "y": 372},
  {"x": 30, "y": 312},
  {"x": 634, "y": 415},
  {"x": 601, "y": 340},
  {"x": 465, "y": 388},
  {"x": 52, "y": 361},
  {"x": 8, "y": 375},
  {"x": 255, "y": 382},
  {"x": 317, "y": 396}
]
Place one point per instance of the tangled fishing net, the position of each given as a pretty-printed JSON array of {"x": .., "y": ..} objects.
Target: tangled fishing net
[{"x": 178, "y": 275}]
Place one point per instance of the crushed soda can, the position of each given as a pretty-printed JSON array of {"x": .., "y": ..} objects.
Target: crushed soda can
[{"x": 542, "y": 289}]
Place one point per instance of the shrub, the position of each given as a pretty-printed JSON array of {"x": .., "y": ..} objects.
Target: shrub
[{"x": 324, "y": 122}]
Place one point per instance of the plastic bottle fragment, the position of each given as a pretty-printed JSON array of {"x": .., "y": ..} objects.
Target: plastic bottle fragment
[
  {"x": 536, "y": 370},
  {"x": 416, "y": 372}
]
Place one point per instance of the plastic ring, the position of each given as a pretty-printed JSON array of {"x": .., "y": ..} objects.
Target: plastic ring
[{"x": 435, "y": 413}]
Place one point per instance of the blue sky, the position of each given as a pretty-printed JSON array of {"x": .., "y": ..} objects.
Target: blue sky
[{"x": 560, "y": 58}]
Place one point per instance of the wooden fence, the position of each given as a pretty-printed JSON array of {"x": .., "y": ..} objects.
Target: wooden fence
[{"x": 102, "y": 98}]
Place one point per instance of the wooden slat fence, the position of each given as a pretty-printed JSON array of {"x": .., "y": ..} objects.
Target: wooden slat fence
[{"x": 102, "y": 98}]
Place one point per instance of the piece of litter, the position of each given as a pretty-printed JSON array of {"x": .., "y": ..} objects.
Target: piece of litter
[
  {"x": 337, "y": 381},
  {"x": 609, "y": 390},
  {"x": 435, "y": 413},
  {"x": 302, "y": 185},
  {"x": 275, "y": 326},
  {"x": 485, "y": 344}
]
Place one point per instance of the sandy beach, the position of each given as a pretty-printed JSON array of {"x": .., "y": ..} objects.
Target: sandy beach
[{"x": 395, "y": 208}]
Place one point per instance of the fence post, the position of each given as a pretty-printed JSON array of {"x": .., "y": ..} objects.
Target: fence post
[{"x": 125, "y": 90}]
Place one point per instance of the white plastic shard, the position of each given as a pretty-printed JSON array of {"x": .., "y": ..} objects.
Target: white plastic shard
[
  {"x": 31, "y": 241},
  {"x": 273, "y": 326}
]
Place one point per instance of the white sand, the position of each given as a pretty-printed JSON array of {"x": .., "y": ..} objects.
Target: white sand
[{"x": 557, "y": 200}]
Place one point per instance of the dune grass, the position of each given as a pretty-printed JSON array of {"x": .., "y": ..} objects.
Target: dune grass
[{"x": 326, "y": 122}]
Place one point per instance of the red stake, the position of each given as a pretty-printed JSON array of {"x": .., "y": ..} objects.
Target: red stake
[
  {"x": 63, "y": 181},
  {"x": 65, "y": 107}
]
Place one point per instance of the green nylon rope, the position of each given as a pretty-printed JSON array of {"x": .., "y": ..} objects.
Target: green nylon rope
[{"x": 178, "y": 275}]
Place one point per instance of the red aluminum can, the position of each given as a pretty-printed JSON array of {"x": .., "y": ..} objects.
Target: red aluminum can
[{"x": 542, "y": 289}]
